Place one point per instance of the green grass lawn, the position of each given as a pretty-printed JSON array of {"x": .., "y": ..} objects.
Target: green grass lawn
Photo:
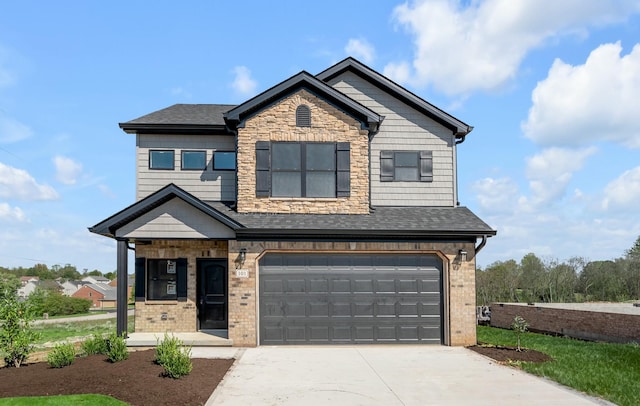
[
  {"x": 89, "y": 400},
  {"x": 65, "y": 330},
  {"x": 609, "y": 371},
  {"x": 91, "y": 313}
]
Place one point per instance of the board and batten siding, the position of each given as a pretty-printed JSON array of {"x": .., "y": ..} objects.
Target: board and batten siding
[
  {"x": 205, "y": 185},
  {"x": 404, "y": 129}
]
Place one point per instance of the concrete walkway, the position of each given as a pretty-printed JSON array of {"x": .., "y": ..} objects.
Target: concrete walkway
[{"x": 379, "y": 375}]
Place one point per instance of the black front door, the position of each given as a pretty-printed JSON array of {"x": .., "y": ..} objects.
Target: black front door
[{"x": 212, "y": 293}]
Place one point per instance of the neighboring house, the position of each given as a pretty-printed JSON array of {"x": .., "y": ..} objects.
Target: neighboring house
[
  {"x": 101, "y": 294},
  {"x": 28, "y": 285},
  {"x": 95, "y": 279},
  {"x": 31, "y": 283},
  {"x": 130, "y": 281},
  {"x": 322, "y": 211},
  {"x": 70, "y": 287}
]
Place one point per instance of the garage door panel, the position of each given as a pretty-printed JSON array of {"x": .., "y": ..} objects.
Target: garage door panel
[{"x": 343, "y": 299}]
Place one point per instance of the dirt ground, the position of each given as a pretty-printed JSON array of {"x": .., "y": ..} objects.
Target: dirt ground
[
  {"x": 506, "y": 354},
  {"x": 136, "y": 381}
]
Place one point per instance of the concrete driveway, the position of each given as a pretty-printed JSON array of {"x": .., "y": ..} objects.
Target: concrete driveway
[{"x": 382, "y": 375}]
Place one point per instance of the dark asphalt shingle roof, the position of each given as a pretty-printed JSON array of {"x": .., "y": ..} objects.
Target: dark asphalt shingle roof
[
  {"x": 400, "y": 220},
  {"x": 186, "y": 114}
]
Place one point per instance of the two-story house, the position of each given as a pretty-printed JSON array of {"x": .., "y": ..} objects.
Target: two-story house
[{"x": 321, "y": 211}]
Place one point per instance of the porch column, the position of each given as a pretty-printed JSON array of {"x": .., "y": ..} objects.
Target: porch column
[{"x": 121, "y": 288}]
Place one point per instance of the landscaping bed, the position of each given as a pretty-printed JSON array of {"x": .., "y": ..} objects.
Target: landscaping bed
[
  {"x": 136, "y": 380},
  {"x": 510, "y": 354}
]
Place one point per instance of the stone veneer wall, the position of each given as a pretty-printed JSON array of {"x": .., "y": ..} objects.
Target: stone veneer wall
[
  {"x": 181, "y": 316},
  {"x": 458, "y": 281},
  {"x": 278, "y": 123}
]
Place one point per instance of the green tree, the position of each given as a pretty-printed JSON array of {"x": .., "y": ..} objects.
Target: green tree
[
  {"x": 9, "y": 285},
  {"x": 533, "y": 279},
  {"x": 603, "y": 281},
  {"x": 497, "y": 283},
  {"x": 16, "y": 334},
  {"x": 562, "y": 279}
]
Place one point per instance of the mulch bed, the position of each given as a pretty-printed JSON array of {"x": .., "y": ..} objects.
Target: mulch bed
[
  {"x": 136, "y": 380},
  {"x": 510, "y": 354}
]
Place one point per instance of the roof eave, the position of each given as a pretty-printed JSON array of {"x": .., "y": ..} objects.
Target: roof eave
[{"x": 148, "y": 128}]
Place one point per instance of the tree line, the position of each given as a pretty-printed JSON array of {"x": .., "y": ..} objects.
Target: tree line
[
  {"x": 42, "y": 271},
  {"x": 574, "y": 280}
]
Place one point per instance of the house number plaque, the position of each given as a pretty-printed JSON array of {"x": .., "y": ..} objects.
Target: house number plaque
[{"x": 242, "y": 273}]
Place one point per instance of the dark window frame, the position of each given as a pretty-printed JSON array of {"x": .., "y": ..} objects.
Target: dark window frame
[
  {"x": 182, "y": 166},
  {"x": 235, "y": 157},
  {"x": 158, "y": 278},
  {"x": 390, "y": 162},
  {"x": 304, "y": 169},
  {"x": 162, "y": 168}
]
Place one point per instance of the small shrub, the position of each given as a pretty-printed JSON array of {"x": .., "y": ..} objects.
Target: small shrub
[
  {"x": 116, "y": 348},
  {"x": 174, "y": 357},
  {"x": 519, "y": 327},
  {"x": 61, "y": 355},
  {"x": 168, "y": 345},
  {"x": 95, "y": 345}
]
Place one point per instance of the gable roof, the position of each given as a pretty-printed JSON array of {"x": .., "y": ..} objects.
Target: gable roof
[
  {"x": 182, "y": 118},
  {"x": 303, "y": 80},
  {"x": 459, "y": 128},
  {"x": 109, "y": 226}
]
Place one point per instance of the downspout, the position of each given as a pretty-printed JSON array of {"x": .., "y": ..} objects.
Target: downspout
[
  {"x": 482, "y": 244},
  {"x": 235, "y": 133},
  {"x": 372, "y": 133}
]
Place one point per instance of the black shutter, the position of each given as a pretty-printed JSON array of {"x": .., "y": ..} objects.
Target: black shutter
[
  {"x": 343, "y": 167},
  {"x": 263, "y": 168},
  {"x": 426, "y": 166},
  {"x": 386, "y": 166},
  {"x": 140, "y": 280},
  {"x": 181, "y": 282}
]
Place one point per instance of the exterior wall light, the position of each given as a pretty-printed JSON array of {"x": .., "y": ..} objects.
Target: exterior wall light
[
  {"x": 463, "y": 255},
  {"x": 242, "y": 256}
]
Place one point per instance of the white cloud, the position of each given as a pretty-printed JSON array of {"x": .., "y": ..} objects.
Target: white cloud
[
  {"x": 480, "y": 46},
  {"x": 496, "y": 195},
  {"x": 623, "y": 192},
  {"x": 11, "y": 213},
  {"x": 360, "y": 49},
  {"x": 20, "y": 185},
  {"x": 597, "y": 101},
  {"x": 550, "y": 172},
  {"x": 12, "y": 130},
  {"x": 67, "y": 170},
  {"x": 243, "y": 84}
]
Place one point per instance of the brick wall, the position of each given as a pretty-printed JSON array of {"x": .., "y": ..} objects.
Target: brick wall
[
  {"x": 86, "y": 292},
  {"x": 180, "y": 316},
  {"x": 458, "y": 280},
  {"x": 587, "y": 325},
  {"x": 278, "y": 123}
]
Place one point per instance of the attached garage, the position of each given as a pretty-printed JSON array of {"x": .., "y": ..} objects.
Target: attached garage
[{"x": 350, "y": 299}]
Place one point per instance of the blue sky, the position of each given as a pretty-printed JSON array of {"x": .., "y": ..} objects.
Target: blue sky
[{"x": 550, "y": 87}]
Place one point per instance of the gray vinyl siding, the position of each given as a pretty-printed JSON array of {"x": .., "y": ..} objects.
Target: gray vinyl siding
[
  {"x": 404, "y": 129},
  {"x": 205, "y": 185},
  {"x": 175, "y": 219}
]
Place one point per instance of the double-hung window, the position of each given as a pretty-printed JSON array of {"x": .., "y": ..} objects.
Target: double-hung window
[{"x": 302, "y": 169}]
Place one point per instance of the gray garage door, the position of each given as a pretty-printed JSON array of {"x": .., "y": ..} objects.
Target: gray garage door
[{"x": 350, "y": 299}]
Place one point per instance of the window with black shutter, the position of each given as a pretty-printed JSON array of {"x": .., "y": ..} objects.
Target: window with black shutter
[
  {"x": 406, "y": 166},
  {"x": 302, "y": 169}
]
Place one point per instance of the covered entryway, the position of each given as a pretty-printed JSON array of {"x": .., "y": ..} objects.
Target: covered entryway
[{"x": 350, "y": 298}]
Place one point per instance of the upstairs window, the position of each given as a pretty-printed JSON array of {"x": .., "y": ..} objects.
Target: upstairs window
[
  {"x": 224, "y": 161},
  {"x": 299, "y": 169},
  {"x": 406, "y": 166},
  {"x": 194, "y": 160},
  {"x": 161, "y": 159},
  {"x": 303, "y": 116}
]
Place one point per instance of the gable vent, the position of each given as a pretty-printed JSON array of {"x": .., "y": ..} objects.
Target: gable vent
[{"x": 303, "y": 116}]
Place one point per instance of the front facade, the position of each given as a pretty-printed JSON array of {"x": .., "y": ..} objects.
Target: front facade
[{"x": 322, "y": 211}]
